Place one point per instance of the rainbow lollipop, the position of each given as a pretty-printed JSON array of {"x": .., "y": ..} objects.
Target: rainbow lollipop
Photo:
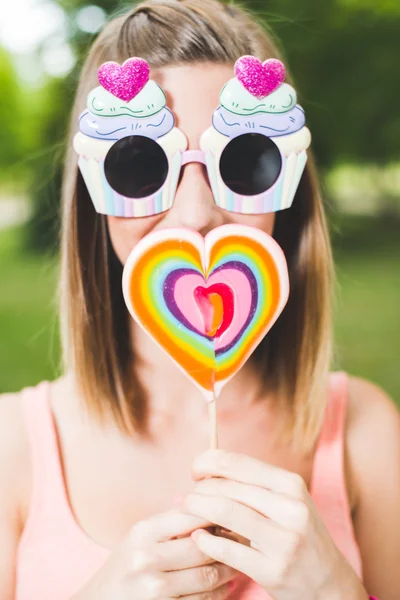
[{"x": 208, "y": 302}]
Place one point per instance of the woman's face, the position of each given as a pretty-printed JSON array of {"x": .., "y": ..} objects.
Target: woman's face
[{"x": 193, "y": 95}]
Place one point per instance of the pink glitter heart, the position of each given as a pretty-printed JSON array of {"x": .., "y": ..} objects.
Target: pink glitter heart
[
  {"x": 126, "y": 81},
  {"x": 260, "y": 79}
]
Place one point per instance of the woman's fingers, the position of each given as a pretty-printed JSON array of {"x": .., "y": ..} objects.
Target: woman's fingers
[
  {"x": 238, "y": 467},
  {"x": 241, "y": 558},
  {"x": 199, "y": 580},
  {"x": 235, "y": 516},
  {"x": 230, "y": 535},
  {"x": 219, "y": 594},
  {"x": 165, "y": 556},
  {"x": 288, "y": 512},
  {"x": 164, "y": 527}
]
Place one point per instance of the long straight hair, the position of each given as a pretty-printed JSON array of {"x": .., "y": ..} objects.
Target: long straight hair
[{"x": 294, "y": 358}]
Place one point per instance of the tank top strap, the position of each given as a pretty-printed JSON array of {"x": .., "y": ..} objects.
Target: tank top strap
[
  {"x": 328, "y": 470},
  {"x": 48, "y": 490},
  {"x": 329, "y": 489},
  {"x": 335, "y": 416}
]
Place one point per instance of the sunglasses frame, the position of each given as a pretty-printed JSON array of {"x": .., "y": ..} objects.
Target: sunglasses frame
[
  {"x": 121, "y": 87},
  {"x": 108, "y": 201}
]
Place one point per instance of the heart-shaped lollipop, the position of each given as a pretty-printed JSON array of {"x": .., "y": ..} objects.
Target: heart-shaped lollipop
[
  {"x": 260, "y": 79},
  {"x": 124, "y": 81},
  {"x": 207, "y": 301}
]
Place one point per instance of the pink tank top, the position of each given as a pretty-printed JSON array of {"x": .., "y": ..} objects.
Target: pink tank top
[{"x": 56, "y": 557}]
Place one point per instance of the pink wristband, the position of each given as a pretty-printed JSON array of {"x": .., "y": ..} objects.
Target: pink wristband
[{"x": 373, "y": 598}]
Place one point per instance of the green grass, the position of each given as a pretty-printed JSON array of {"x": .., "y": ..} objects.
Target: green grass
[
  {"x": 367, "y": 319},
  {"x": 28, "y": 325},
  {"x": 367, "y": 316},
  {"x": 367, "y": 313}
]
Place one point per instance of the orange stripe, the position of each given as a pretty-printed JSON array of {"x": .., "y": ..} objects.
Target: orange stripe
[
  {"x": 274, "y": 289},
  {"x": 218, "y": 313},
  {"x": 196, "y": 369}
]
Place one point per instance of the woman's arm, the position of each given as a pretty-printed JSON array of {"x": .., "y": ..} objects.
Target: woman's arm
[
  {"x": 12, "y": 454},
  {"x": 373, "y": 444}
]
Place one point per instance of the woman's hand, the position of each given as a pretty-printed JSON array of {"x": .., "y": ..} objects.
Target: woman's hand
[
  {"x": 291, "y": 554},
  {"x": 159, "y": 560}
]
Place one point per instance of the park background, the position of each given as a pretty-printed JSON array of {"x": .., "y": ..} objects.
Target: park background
[{"x": 344, "y": 56}]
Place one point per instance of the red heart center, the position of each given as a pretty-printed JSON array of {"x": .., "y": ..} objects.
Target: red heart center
[{"x": 216, "y": 304}]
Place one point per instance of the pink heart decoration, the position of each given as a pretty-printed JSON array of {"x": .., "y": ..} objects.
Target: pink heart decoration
[
  {"x": 236, "y": 311},
  {"x": 126, "y": 81},
  {"x": 260, "y": 79}
]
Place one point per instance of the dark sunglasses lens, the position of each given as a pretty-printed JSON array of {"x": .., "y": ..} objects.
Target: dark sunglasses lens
[
  {"x": 250, "y": 164},
  {"x": 136, "y": 166}
]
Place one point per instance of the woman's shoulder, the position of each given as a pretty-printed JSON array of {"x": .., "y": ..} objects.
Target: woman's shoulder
[
  {"x": 372, "y": 436},
  {"x": 372, "y": 413},
  {"x": 12, "y": 471},
  {"x": 13, "y": 438},
  {"x": 14, "y": 444},
  {"x": 373, "y": 456},
  {"x": 14, "y": 456},
  {"x": 12, "y": 425}
]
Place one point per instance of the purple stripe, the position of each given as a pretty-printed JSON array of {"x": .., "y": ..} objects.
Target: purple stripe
[
  {"x": 235, "y": 264},
  {"x": 169, "y": 298}
]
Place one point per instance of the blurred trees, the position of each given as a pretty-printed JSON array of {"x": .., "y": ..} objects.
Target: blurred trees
[
  {"x": 11, "y": 135},
  {"x": 343, "y": 53},
  {"x": 43, "y": 227}
]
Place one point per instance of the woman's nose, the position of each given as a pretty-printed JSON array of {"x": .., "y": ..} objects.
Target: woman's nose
[{"x": 194, "y": 205}]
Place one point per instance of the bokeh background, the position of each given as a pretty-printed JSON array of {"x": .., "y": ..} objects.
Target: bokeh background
[{"x": 344, "y": 55}]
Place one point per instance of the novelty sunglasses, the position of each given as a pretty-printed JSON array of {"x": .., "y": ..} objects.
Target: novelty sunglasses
[{"x": 131, "y": 154}]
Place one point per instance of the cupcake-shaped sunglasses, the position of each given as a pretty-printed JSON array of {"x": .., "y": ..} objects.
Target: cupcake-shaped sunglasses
[{"x": 131, "y": 153}]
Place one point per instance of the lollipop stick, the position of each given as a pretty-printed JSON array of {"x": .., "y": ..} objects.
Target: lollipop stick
[{"x": 212, "y": 413}]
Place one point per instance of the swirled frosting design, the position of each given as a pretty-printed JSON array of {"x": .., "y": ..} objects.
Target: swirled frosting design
[
  {"x": 110, "y": 118},
  {"x": 271, "y": 125},
  {"x": 115, "y": 128},
  {"x": 241, "y": 112}
]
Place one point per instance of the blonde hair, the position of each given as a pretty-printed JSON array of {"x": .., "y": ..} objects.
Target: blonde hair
[{"x": 295, "y": 356}]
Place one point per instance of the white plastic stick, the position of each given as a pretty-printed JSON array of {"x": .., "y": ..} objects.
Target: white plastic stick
[{"x": 212, "y": 413}]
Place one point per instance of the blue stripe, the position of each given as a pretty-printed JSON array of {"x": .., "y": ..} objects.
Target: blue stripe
[
  {"x": 160, "y": 273},
  {"x": 230, "y": 198},
  {"x": 119, "y": 205},
  {"x": 158, "y": 202}
]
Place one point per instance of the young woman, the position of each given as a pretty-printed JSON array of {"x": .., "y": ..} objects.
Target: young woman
[{"x": 106, "y": 490}]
